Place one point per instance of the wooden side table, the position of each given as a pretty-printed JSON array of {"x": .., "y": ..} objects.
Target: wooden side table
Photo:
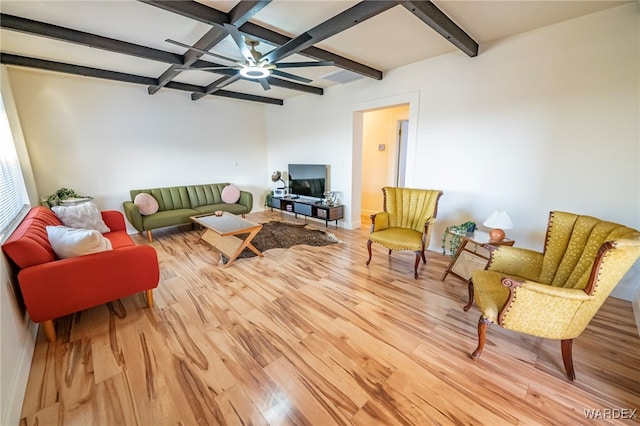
[{"x": 472, "y": 254}]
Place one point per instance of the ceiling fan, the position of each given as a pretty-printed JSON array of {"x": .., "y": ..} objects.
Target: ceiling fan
[{"x": 256, "y": 65}]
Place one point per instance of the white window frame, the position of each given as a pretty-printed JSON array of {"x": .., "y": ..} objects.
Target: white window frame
[{"x": 14, "y": 201}]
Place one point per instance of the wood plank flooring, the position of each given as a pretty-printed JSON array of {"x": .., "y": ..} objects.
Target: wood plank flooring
[{"x": 312, "y": 336}]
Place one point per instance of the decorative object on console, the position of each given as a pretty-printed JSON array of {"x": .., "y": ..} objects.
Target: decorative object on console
[
  {"x": 498, "y": 221},
  {"x": 282, "y": 190},
  {"x": 81, "y": 216},
  {"x": 277, "y": 176},
  {"x": 63, "y": 194},
  {"x": 330, "y": 198}
]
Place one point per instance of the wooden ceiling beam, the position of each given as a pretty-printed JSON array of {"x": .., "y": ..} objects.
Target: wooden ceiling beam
[
  {"x": 208, "y": 15},
  {"x": 82, "y": 38},
  {"x": 443, "y": 25},
  {"x": 269, "y": 36},
  {"x": 240, "y": 14},
  {"x": 24, "y": 61},
  {"x": 334, "y": 25}
]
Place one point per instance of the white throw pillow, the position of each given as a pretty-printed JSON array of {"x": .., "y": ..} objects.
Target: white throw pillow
[
  {"x": 230, "y": 194},
  {"x": 83, "y": 216},
  {"x": 146, "y": 203},
  {"x": 70, "y": 242}
]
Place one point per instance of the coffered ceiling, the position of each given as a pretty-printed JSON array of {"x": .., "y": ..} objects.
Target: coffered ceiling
[{"x": 147, "y": 42}]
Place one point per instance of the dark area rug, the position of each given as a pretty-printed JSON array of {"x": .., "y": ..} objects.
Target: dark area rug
[{"x": 284, "y": 235}]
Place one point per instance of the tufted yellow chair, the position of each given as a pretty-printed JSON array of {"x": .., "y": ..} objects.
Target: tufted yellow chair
[
  {"x": 405, "y": 222},
  {"x": 554, "y": 294}
]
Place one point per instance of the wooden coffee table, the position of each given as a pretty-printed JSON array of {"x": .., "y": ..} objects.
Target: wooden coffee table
[{"x": 221, "y": 231}]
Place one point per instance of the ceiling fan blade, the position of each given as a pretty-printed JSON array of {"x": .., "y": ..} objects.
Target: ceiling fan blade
[
  {"x": 289, "y": 48},
  {"x": 204, "y": 52},
  {"x": 226, "y": 80},
  {"x": 304, "y": 64},
  {"x": 265, "y": 84},
  {"x": 239, "y": 39},
  {"x": 204, "y": 68},
  {"x": 290, "y": 76}
]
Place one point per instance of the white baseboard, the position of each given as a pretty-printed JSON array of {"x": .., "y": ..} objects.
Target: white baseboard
[{"x": 18, "y": 386}]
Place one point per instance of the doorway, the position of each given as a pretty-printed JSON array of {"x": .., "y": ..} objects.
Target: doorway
[{"x": 384, "y": 155}]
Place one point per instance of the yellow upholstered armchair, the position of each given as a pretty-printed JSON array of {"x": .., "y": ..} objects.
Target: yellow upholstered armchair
[
  {"x": 405, "y": 223},
  {"x": 554, "y": 294}
]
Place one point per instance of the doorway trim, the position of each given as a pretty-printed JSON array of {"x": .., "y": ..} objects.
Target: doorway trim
[{"x": 358, "y": 109}]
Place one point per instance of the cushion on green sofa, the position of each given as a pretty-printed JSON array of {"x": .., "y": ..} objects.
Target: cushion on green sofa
[
  {"x": 203, "y": 195},
  {"x": 172, "y": 198}
]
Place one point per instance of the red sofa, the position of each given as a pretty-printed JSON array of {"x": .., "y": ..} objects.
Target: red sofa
[{"x": 52, "y": 287}]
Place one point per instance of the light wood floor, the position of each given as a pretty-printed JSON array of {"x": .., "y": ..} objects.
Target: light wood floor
[{"x": 312, "y": 336}]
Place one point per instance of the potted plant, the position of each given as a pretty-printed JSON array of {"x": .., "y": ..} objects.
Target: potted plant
[
  {"x": 61, "y": 195},
  {"x": 267, "y": 199},
  {"x": 453, "y": 233}
]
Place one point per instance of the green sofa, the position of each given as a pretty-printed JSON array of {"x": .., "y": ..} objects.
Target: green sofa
[{"x": 178, "y": 203}]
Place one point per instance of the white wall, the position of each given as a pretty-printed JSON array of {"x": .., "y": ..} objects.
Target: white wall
[
  {"x": 105, "y": 138},
  {"x": 17, "y": 331},
  {"x": 545, "y": 120}
]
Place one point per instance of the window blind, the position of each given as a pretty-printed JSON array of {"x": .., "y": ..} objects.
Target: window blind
[{"x": 13, "y": 193}]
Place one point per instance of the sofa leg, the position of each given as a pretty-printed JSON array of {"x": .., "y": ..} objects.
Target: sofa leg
[
  {"x": 150, "y": 298},
  {"x": 149, "y": 236},
  {"x": 482, "y": 332},
  {"x": 470, "y": 302},
  {"x": 49, "y": 330},
  {"x": 567, "y": 358}
]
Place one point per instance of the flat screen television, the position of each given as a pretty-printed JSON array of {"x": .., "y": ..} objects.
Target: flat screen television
[{"x": 308, "y": 180}]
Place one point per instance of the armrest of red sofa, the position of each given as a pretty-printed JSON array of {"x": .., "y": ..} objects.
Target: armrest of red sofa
[
  {"x": 55, "y": 289},
  {"x": 114, "y": 220}
]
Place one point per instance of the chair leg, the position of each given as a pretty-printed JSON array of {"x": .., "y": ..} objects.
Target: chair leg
[
  {"x": 567, "y": 357},
  {"x": 482, "y": 331},
  {"x": 415, "y": 267},
  {"x": 149, "y": 236},
  {"x": 470, "y": 302},
  {"x": 389, "y": 252},
  {"x": 369, "y": 249},
  {"x": 49, "y": 330},
  {"x": 149, "y": 294}
]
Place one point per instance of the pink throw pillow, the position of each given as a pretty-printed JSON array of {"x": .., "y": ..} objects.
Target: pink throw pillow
[
  {"x": 146, "y": 203},
  {"x": 230, "y": 194}
]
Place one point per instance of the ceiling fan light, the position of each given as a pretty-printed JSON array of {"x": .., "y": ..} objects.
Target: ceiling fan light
[{"x": 254, "y": 72}]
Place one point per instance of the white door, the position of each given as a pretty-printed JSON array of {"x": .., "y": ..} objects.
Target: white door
[{"x": 403, "y": 131}]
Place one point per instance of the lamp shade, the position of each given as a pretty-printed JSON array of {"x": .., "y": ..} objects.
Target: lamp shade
[{"x": 499, "y": 219}]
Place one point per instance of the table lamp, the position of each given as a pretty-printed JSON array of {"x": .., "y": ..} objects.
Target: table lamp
[
  {"x": 277, "y": 176},
  {"x": 498, "y": 221}
]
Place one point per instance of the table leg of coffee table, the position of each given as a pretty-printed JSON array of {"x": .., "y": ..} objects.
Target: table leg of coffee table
[
  {"x": 243, "y": 244},
  {"x": 230, "y": 245}
]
